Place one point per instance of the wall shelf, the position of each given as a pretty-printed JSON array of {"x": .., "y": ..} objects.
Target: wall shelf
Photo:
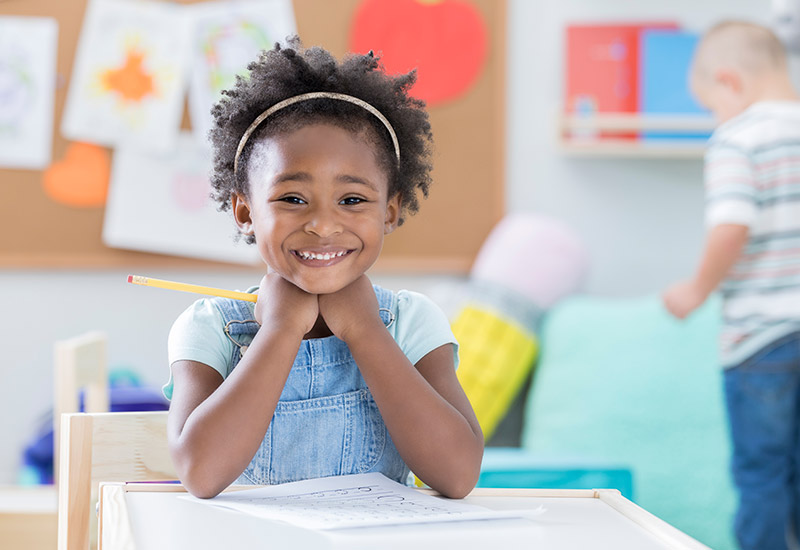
[{"x": 579, "y": 135}]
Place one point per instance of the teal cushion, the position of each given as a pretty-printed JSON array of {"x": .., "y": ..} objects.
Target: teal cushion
[
  {"x": 512, "y": 467},
  {"x": 621, "y": 381}
]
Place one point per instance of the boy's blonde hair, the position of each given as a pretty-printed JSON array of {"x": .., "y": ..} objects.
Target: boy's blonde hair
[{"x": 747, "y": 47}]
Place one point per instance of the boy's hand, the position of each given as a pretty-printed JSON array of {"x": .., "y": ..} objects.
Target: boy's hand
[
  {"x": 682, "y": 298},
  {"x": 283, "y": 305},
  {"x": 351, "y": 309}
]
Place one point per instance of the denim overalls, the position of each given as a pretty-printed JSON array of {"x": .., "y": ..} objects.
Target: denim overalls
[{"x": 326, "y": 422}]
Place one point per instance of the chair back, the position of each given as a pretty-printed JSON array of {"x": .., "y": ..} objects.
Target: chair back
[
  {"x": 121, "y": 446},
  {"x": 79, "y": 363}
]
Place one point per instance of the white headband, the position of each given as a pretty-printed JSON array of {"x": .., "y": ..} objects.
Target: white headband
[{"x": 314, "y": 95}]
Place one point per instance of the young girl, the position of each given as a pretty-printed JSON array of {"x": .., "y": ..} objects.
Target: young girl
[{"x": 326, "y": 374}]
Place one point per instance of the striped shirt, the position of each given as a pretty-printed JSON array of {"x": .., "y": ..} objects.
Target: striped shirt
[{"x": 752, "y": 178}]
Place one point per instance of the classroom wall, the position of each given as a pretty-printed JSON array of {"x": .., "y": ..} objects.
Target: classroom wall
[{"x": 641, "y": 220}]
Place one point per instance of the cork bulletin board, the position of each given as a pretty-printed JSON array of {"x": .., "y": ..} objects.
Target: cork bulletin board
[{"x": 466, "y": 199}]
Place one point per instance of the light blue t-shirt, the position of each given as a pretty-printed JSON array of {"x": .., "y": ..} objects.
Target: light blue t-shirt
[{"x": 419, "y": 327}]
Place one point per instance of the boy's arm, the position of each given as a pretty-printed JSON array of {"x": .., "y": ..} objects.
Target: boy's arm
[{"x": 723, "y": 248}]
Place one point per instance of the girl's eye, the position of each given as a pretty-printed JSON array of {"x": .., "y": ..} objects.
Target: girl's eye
[
  {"x": 351, "y": 201},
  {"x": 292, "y": 200}
]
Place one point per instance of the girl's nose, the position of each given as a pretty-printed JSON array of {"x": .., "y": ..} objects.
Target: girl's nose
[{"x": 323, "y": 222}]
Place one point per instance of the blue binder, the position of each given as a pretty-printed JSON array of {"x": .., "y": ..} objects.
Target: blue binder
[{"x": 665, "y": 59}]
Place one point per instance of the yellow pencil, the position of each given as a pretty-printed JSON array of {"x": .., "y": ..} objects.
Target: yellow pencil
[{"x": 197, "y": 289}]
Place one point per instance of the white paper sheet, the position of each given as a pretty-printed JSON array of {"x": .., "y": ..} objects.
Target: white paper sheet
[
  {"x": 161, "y": 203},
  {"x": 226, "y": 37},
  {"x": 361, "y": 500},
  {"x": 27, "y": 85},
  {"x": 129, "y": 79}
]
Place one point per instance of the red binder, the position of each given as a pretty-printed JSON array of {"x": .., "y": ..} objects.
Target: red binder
[{"x": 602, "y": 72}]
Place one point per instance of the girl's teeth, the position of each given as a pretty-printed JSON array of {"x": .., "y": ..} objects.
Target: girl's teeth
[{"x": 325, "y": 256}]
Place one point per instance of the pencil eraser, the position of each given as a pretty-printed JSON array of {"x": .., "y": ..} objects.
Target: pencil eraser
[{"x": 130, "y": 278}]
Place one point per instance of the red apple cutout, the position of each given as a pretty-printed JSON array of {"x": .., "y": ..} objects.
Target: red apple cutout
[{"x": 445, "y": 40}]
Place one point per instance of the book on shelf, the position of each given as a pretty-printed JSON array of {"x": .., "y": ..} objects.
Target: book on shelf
[
  {"x": 665, "y": 61},
  {"x": 602, "y": 64}
]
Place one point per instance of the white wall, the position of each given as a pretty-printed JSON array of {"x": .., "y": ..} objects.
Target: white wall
[{"x": 640, "y": 218}]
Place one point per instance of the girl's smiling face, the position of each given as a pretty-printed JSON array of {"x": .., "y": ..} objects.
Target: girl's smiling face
[{"x": 317, "y": 205}]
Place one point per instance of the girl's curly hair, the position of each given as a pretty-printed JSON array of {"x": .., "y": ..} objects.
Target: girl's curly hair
[{"x": 287, "y": 71}]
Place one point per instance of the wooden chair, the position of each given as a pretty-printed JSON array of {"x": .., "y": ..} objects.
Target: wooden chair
[
  {"x": 123, "y": 446},
  {"x": 28, "y": 515},
  {"x": 79, "y": 364}
]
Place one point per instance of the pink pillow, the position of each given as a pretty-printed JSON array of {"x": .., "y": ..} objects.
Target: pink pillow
[{"x": 538, "y": 257}]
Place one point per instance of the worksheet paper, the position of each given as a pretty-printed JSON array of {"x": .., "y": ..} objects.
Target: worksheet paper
[{"x": 361, "y": 500}]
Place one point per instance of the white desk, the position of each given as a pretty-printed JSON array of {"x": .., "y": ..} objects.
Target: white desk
[{"x": 153, "y": 517}]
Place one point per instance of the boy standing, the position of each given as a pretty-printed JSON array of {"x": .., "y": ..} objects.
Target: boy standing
[{"x": 752, "y": 178}]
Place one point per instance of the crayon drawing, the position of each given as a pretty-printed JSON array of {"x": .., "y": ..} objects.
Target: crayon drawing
[
  {"x": 27, "y": 85},
  {"x": 129, "y": 77},
  {"x": 161, "y": 203},
  {"x": 226, "y": 37}
]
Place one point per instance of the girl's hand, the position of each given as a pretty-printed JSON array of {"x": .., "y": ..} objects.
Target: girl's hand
[
  {"x": 282, "y": 305},
  {"x": 351, "y": 310}
]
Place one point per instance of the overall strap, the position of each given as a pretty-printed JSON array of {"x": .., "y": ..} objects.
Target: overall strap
[
  {"x": 238, "y": 310},
  {"x": 387, "y": 304},
  {"x": 238, "y": 319}
]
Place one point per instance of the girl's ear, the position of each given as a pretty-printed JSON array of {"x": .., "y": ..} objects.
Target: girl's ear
[
  {"x": 392, "y": 214},
  {"x": 241, "y": 214}
]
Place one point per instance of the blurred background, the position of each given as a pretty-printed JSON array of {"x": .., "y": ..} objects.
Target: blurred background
[{"x": 564, "y": 126}]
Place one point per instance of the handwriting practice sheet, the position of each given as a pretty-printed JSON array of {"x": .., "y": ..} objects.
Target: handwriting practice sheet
[{"x": 361, "y": 500}]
